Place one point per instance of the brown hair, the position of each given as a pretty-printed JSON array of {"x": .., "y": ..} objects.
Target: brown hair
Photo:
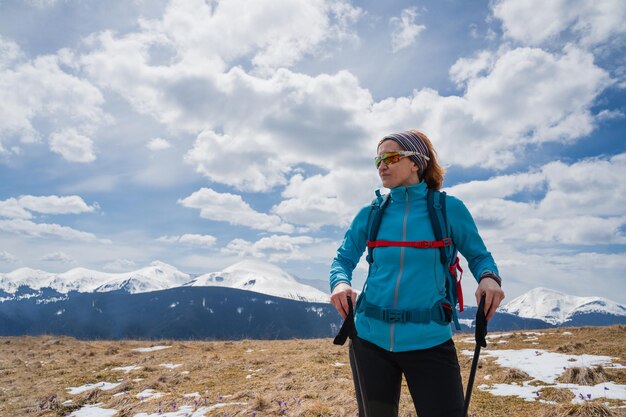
[{"x": 434, "y": 173}]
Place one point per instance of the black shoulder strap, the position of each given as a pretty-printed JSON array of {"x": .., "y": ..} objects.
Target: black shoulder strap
[
  {"x": 436, "y": 203},
  {"x": 377, "y": 209}
]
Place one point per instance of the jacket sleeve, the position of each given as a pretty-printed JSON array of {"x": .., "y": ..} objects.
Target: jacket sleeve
[
  {"x": 350, "y": 251},
  {"x": 467, "y": 240}
]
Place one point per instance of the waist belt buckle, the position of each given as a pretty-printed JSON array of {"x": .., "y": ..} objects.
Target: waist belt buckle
[{"x": 394, "y": 316}]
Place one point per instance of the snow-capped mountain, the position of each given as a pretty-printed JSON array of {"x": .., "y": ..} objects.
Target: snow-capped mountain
[
  {"x": 33, "y": 278},
  {"x": 77, "y": 279},
  {"x": 264, "y": 278},
  {"x": 250, "y": 299},
  {"x": 556, "y": 308},
  {"x": 157, "y": 276},
  {"x": 249, "y": 275}
]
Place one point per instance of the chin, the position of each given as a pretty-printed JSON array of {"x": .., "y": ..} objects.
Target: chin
[{"x": 388, "y": 184}]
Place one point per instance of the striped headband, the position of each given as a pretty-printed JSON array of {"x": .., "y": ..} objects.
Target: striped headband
[{"x": 410, "y": 141}]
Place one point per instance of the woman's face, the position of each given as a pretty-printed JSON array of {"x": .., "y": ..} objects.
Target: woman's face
[{"x": 402, "y": 173}]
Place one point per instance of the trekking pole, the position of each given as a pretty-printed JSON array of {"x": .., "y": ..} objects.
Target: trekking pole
[
  {"x": 481, "y": 332},
  {"x": 347, "y": 330}
]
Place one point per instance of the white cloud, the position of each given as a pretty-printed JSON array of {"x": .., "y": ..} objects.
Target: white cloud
[
  {"x": 405, "y": 30},
  {"x": 468, "y": 68},
  {"x": 9, "y": 52},
  {"x": 158, "y": 144},
  {"x": 274, "y": 33},
  {"x": 494, "y": 119},
  {"x": 534, "y": 22},
  {"x": 576, "y": 272},
  {"x": 563, "y": 112},
  {"x": 42, "y": 4},
  {"x": 203, "y": 42},
  {"x": 72, "y": 146},
  {"x": 41, "y": 90},
  {"x": 275, "y": 248},
  {"x": 578, "y": 204},
  {"x": 231, "y": 208},
  {"x": 120, "y": 265},
  {"x": 8, "y": 258},
  {"x": 53, "y": 204},
  {"x": 21, "y": 207},
  {"x": 214, "y": 156},
  {"x": 12, "y": 209},
  {"x": 331, "y": 199},
  {"x": 569, "y": 224},
  {"x": 291, "y": 117},
  {"x": 282, "y": 121},
  {"x": 529, "y": 96},
  {"x": 271, "y": 121},
  {"x": 58, "y": 257},
  {"x": 192, "y": 239},
  {"x": 46, "y": 230}
]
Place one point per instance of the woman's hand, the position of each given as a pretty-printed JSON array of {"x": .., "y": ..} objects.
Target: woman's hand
[
  {"x": 339, "y": 298},
  {"x": 493, "y": 296}
]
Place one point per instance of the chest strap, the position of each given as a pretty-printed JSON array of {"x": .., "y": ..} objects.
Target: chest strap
[
  {"x": 420, "y": 244},
  {"x": 440, "y": 313}
]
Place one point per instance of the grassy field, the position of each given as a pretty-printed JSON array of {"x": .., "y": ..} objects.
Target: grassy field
[{"x": 265, "y": 378}]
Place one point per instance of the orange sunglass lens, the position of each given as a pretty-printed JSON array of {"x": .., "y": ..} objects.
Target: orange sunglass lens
[{"x": 387, "y": 158}]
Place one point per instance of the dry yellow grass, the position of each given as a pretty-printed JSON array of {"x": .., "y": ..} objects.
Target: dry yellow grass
[
  {"x": 587, "y": 409},
  {"x": 308, "y": 378},
  {"x": 584, "y": 376}
]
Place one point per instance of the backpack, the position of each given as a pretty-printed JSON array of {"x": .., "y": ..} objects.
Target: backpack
[{"x": 436, "y": 203}]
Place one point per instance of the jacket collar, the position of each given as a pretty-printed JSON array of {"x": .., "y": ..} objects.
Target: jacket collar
[{"x": 413, "y": 191}]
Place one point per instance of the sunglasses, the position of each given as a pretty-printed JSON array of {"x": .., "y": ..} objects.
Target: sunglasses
[{"x": 390, "y": 158}]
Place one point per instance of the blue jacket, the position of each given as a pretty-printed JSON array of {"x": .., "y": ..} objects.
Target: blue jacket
[{"x": 407, "y": 278}]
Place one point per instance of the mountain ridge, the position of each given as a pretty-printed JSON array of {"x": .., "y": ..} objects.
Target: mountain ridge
[
  {"x": 556, "y": 307},
  {"x": 537, "y": 306},
  {"x": 253, "y": 275}
]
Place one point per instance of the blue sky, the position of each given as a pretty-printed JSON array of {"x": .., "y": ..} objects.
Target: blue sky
[{"x": 200, "y": 133}]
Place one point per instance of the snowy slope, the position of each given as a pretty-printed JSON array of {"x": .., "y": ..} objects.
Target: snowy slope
[
  {"x": 78, "y": 279},
  {"x": 250, "y": 275},
  {"x": 556, "y": 307},
  {"x": 264, "y": 278},
  {"x": 158, "y": 276},
  {"x": 33, "y": 278}
]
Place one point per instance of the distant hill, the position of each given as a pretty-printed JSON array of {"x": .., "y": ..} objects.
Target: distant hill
[
  {"x": 561, "y": 309},
  {"x": 251, "y": 299},
  {"x": 252, "y": 275},
  {"x": 177, "y": 313}
]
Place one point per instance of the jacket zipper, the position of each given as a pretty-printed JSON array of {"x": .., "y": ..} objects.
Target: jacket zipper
[{"x": 401, "y": 269}]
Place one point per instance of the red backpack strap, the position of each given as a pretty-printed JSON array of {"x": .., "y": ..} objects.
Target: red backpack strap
[
  {"x": 419, "y": 244},
  {"x": 459, "y": 290}
]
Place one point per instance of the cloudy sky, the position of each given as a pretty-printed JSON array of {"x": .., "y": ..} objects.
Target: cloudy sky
[{"x": 200, "y": 133}]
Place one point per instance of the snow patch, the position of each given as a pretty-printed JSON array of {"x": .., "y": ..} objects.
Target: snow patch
[
  {"x": 104, "y": 386},
  {"x": 541, "y": 364},
  {"x": 171, "y": 365},
  {"x": 149, "y": 394},
  {"x": 93, "y": 411},
  {"x": 547, "y": 367},
  {"x": 126, "y": 369},
  {"x": 151, "y": 349}
]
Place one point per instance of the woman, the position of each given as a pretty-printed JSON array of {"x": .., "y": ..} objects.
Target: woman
[{"x": 404, "y": 279}]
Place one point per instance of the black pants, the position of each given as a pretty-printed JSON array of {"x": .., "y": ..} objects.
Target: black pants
[{"x": 432, "y": 375}]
